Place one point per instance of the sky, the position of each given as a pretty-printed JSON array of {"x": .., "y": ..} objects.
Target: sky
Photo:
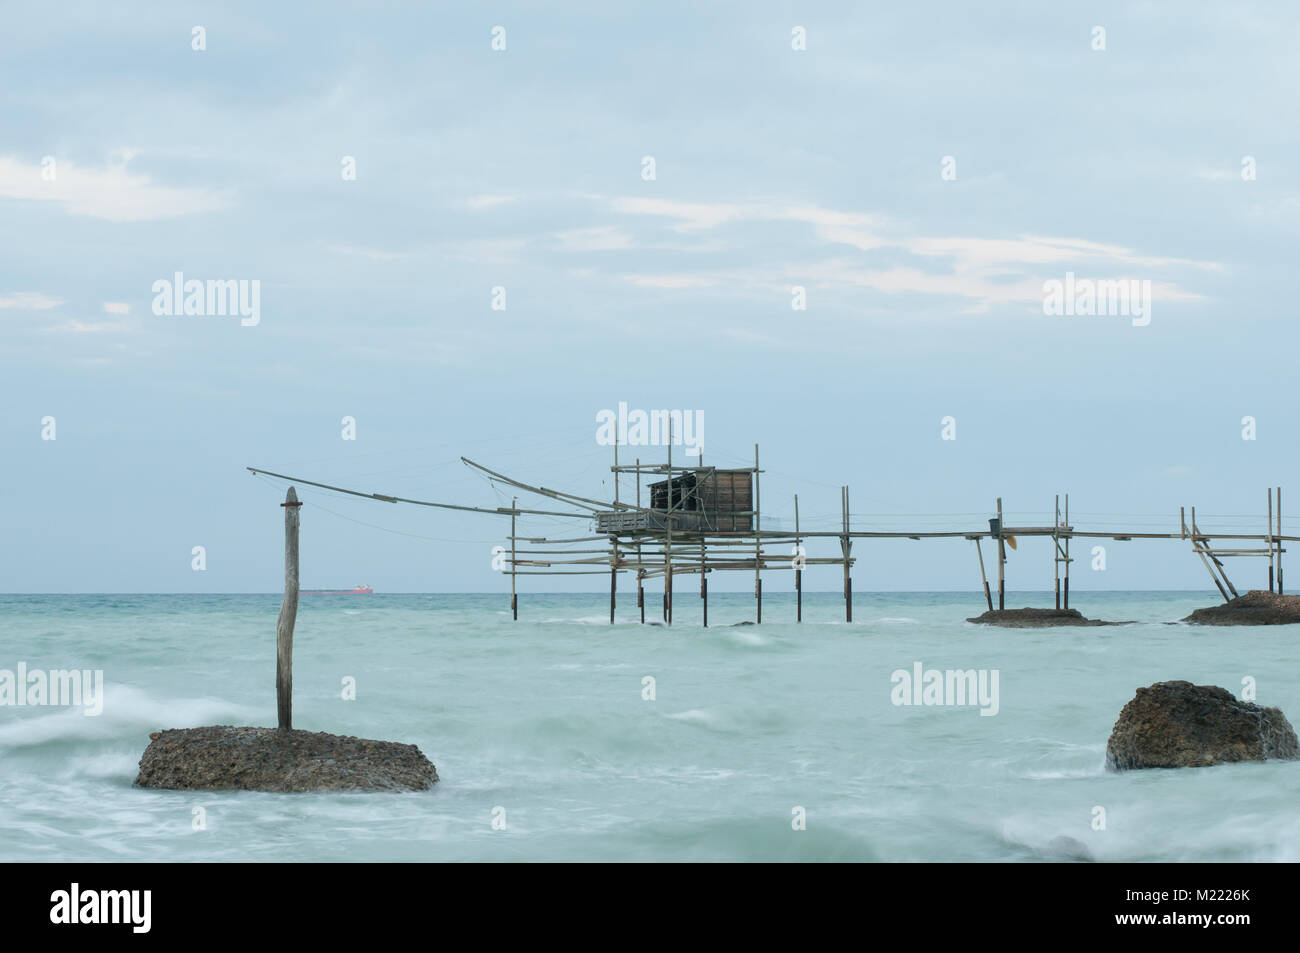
[{"x": 921, "y": 171}]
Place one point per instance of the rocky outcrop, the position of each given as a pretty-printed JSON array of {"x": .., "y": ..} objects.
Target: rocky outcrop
[
  {"x": 225, "y": 758},
  {"x": 1035, "y": 618},
  {"x": 1181, "y": 725},
  {"x": 1256, "y": 607}
]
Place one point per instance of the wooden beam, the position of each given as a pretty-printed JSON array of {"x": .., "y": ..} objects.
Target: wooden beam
[{"x": 988, "y": 596}]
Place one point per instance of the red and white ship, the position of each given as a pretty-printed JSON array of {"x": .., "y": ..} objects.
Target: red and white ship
[{"x": 361, "y": 590}]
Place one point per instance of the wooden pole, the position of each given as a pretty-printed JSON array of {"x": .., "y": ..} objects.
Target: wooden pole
[
  {"x": 288, "y": 614},
  {"x": 1056, "y": 550},
  {"x": 1268, "y": 539},
  {"x": 846, "y": 546},
  {"x": 613, "y": 566},
  {"x": 704, "y": 572},
  {"x": 514, "y": 598},
  {"x": 988, "y": 596},
  {"x": 758, "y": 542},
  {"x": 1279, "y": 541},
  {"x": 704, "y": 583},
  {"x": 1067, "y": 551},
  {"x": 668, "y": 549},
  {"x": 640, "y": 572},
  {"x": 1214, "y": 557},
  {"x": 1002, "y": 558},
  {"x": 1201, "y": 550},
  {"x": 798, "y": 573}
]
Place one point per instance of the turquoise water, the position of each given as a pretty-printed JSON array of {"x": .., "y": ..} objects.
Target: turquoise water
[{"x": 546, "y": 719}]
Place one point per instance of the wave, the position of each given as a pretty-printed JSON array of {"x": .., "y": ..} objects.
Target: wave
[{"x": 127, "y": 710}]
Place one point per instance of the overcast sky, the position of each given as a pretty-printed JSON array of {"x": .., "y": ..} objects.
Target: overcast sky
[{"x": 920, "y": 169}]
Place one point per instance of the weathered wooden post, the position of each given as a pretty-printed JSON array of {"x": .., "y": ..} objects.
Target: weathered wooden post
[
  {"x": 288, "y": 614},
  {"x": 514, "y": 596},
  {"x": 846, "y": 546},
  {"x": 1280, "y": 541},
  {"x": 1069, "y": 535},
  {"x": 704, "y": 583},
  {"x": 1002, "y": 562},
  {"x": 1268, "y": 538},
  {"x": 668, "y": 546},
  {"x": 758, "y": 543},
  {"x": 1056, "y": 549},
  {"x": 640, "y": 569},
  {"x": 988, "y": 597},
  {"x": 798, "y": 573},
  {"x": 613, "y": 566}
]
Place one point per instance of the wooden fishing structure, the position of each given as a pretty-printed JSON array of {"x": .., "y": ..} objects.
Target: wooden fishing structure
[{"x": 698, "y": 520}]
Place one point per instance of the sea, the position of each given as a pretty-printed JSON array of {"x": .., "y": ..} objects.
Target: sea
[{"x": 561, "y": 737}]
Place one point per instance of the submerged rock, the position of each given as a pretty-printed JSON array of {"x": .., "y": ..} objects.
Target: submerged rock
[
  {"x": 226, "y": 758},
  {"x": 1035, "y": 618},
  {"x": 1256, "y": 607},
  {"x": 1068, "y": 849},
  {"x": 1181, "y": 725}
]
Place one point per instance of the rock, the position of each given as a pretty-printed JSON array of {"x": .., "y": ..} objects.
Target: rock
[
  {"x": 1181, "y": 725},
  {"x": 1256, "y": 607},
  {"x": 1069, "y": 849},
  {"x": 226, "y": 758},
  {"x": 1036, "y": 618}
]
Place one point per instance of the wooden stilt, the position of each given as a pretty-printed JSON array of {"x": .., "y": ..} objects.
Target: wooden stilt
[
  {"x": 288, "y": 614},
  {"x": 798, "y": 573},
  {"x": 704, "y": 584},
  {"x": 1200, "y": 551},
  {"x": 613, "y": 566},
  {"x": 1206, "y": 548},
  {"x": 758, "y": 544},
  {"x": 1056, "y": 550},
  {"x": 668, "y": 546},
  {"x": 1279, "y": 542},
  {"x": 846, "y": 546},
  {"x": 514, "y": 596},
  {"x": 640, "y": 572},
  {"x": 988, "y": 596},
  {"x": 1067, "y": 553},
  {"x": 1002, "y": 558},
  {"x": 1268, "y": 539}
]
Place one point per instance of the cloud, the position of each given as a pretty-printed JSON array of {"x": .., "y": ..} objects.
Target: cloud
[
  {"x": 669, "y": 281},
  {"x": 116, "y": 307},
  {"x": 29, "y": 301},
  {"x": 600, "y": 238},
  {"x": 73, "y": 326},
  {"x": 374, "y": 254},
  {"x": 985, "y": 270},
  {"x": 488, "y": 201},
  {"x": 109, "y": 192},
  {"x": 690, "y": 215}
]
